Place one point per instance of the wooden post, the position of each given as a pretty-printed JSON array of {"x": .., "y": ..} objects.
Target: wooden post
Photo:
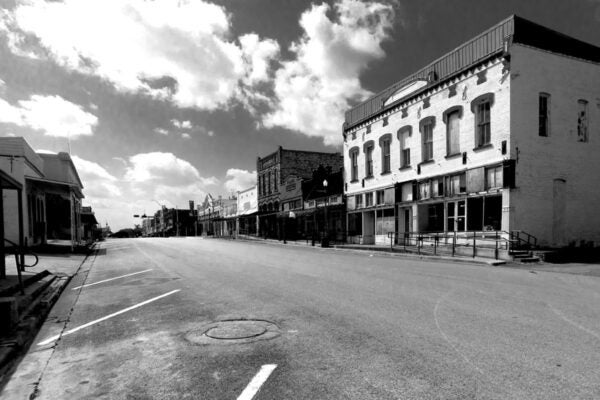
[{"x": 21, "y": 250}]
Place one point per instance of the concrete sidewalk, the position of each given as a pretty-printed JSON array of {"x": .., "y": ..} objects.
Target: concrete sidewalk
[
  {"x": 379, "y": 249},
  {"x": 43, "y": 285}
]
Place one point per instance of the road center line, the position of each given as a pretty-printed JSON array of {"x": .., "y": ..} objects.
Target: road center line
[
  {"x": 111, "y": 279},
  {"x": 257, "y": 382},
  {"x": 53, "y": 338}
]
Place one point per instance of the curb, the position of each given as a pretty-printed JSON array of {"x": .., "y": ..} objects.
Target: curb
[{"x": 381, "y": 251}]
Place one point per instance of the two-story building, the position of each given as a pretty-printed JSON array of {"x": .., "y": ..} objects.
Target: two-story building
[
  {"x": 274, "y": 169},
  {"x": 496, "y": 135}
]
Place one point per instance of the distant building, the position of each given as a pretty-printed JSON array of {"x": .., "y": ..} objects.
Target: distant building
[
  {"x": 274, "y": 169},
  {"x": 247, "y": 210},
  {"x": 501, "y": 134}
]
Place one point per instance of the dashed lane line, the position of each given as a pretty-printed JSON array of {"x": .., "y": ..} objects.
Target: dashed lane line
[
  {"x": 259, "y": 379},
  {"x": 53, "y": 338},
  {"x": 112, "y": 279}
]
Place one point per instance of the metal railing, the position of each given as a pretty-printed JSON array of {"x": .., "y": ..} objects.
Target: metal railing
[
  {"x": 470, "y": 243},
  {"x": 20, "y": 254}
]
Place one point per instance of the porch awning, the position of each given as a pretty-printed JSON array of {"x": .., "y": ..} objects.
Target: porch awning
[{"x": 8, "y": 182}]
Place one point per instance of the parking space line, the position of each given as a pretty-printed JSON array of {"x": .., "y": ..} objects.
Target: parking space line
[
  {"x": 112, "y": 279},
  {"x": 257, "y": 382},
  {"x": 53, "y": 338}
]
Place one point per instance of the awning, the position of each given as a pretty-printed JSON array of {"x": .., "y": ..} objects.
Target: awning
[
  {"x": 8, "y": 182},
  {"x": 89, "y": 219}
]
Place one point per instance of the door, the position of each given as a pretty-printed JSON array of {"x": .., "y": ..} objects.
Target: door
[{"x": 456, "y": 216}]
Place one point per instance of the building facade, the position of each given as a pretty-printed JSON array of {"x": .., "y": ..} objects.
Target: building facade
[
  {"x": 497, "y": 135},
  {"x": 247, "y": 212},
  {"x": 274, "y": 169},
  {"x": 51, "y": 197}
]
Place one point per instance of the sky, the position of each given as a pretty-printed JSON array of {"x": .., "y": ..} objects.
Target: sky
[{"x": 165, "y": 101}]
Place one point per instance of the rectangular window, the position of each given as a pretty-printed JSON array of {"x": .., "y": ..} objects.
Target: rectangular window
[
  {"x": 380, "y": 197},
  {"x": 484, "y": 132},
  {"x": 582, "y": 121},
  {"x": 385, "y": 155},
  {"x": 457, "y": 184},
  {"x": 369, "y": 161},
  {"x": 358, "y": 199},
  {"x": 424, "y": 190},
  {"x": 493, "y": 178},
  {"x": 544, "y": 114},
  {"x": 369, "y": 199},
  {"x": 452, "y": 133},
  {"x": 437, "y": 187},
  {"x": 354, "y": 166},
  {"x": 427, "y": 135},
  {"x": 269, "y": 182}
]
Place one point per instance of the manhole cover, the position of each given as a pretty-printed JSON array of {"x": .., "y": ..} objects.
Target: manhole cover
[
  {"x": 231, "y": 330},
  {"x": 234, "y": 331}
]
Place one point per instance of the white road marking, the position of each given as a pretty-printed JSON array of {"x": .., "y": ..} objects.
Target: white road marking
[
  {"x": 53, "y": 338},
  {"x": 112, "y": 279},
  {"x": 575, "y": 324},
  {"x": 257, "y": 382}
]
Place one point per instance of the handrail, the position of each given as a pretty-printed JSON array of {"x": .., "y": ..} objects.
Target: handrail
[{"x": 19, "y": 251}]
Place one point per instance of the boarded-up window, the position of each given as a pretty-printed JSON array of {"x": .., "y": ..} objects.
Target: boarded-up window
[
  {"x": 475, "y": 180},
  {"x": 390, "y": 196},
  {"x": 453, "y": 129}
]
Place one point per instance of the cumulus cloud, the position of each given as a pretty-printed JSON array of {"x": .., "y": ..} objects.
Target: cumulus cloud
[
  {"x": 98, "y": 182},
  {"x": 186, "y": 136},
  {"x": 148, "y": 179},
  {"x": 313, "y": 90},
  {"x": 186, "y": 46},
  {"x": 239, "y": 179},
  {"x": 52, "y": 115},
  {"x": 161, "y": 131}
]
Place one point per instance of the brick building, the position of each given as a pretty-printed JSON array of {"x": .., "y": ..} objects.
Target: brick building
[
  {"x": 501, "y": 134},
  {"x": 275, "y": 168}
]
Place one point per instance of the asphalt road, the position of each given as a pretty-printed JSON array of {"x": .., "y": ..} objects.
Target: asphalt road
[{"x": 345, "y": 325}]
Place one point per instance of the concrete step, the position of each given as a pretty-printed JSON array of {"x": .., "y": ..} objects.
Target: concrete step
[{"x": 529, "y": 260}]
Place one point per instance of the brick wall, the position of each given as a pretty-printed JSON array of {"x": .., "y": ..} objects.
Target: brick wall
[{"x": 542, "y": 160}]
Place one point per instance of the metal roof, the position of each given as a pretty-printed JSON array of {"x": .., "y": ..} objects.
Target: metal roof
[{"x": 475, "y": 51}]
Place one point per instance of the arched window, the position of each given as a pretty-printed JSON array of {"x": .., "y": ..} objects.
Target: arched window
[
  {"x": 385, "y": 143},
  {"x": 403, "y": 134},
  {"x": 481, "y": 107},
  {"x": 452, "y": 118},
  {"x": 426, "y": 126},
  {"x": 368, "y": 149}
]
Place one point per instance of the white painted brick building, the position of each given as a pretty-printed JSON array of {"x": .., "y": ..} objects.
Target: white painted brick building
[{"x": 501, "y": 134}]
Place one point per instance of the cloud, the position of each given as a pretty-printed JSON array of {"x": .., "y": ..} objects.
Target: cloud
[
  {"x": 148, "y": 179},
  {"x": 239, "y": 179},
  {"x": 161, "y": 131},
  {"x": 181, "y": 124},
  {"x": 313, "y": 90},
  {"x": 177, "y": 50},
  {"x": 186, "y": 136},
  {"x": 97, "y": 181},
  {"x": 52, "y": 115}
]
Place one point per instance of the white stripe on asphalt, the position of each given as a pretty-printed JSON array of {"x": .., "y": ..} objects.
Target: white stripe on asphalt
[
  {"x": 53, "y": 338},
  {"x": 111, "y": 279},
  {"x": 257, "y": 382}
]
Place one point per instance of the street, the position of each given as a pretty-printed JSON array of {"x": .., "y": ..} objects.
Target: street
[{"x": 191, "y": 318}]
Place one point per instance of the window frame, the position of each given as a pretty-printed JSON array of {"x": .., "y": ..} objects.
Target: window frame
[
  {"x": 368, "y": 148},
  {"x": 353, "y": 152},
  {"x": 426, "y": 127},
  {"x": 582, "y": 124},
  {"x": 385, "y": 142},
  {"x": 456, "y": 110},
  {"x": 544, "y": 119},
  {"x": 481, "y": 134},
  {"x": 403, "y": 134}
]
